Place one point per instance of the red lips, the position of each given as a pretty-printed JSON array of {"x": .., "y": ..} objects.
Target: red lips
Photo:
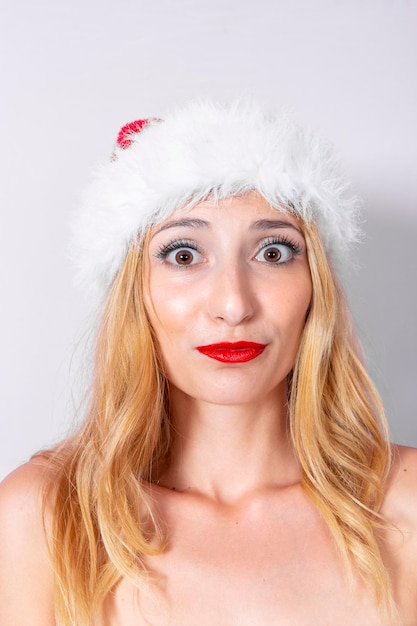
[{"x": 237, "y": 352}]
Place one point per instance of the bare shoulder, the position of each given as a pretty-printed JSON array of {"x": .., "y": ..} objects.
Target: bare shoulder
[
  {"x": 399, "y": 539},
  {"x": 26, "y": 479},
  {"x": 26, "y": 580},
  {"x": 400, "y": 504},
  {"x": 21, "y": 496}
]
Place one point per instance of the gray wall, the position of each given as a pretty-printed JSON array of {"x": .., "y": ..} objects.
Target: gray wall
[{"x": 73, "y": 72}]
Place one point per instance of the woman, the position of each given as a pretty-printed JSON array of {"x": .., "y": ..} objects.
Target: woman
[{"x": 233, "y": 467}]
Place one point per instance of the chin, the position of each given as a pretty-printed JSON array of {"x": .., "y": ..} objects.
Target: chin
[{"x": 232, "y": 392}]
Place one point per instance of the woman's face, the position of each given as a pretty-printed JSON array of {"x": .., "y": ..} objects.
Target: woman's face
[{"x": 227, "y": 294}]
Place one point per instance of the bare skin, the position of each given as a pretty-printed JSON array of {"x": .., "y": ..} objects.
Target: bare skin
[
  {"x": 246, "y": 547},
  {"x": 266, "y": 558}
]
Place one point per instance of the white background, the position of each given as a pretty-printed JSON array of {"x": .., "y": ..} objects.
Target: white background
[{"x": 73, "y": 72}]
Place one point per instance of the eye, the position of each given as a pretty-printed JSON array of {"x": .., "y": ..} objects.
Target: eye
[
  {"x": 179, "y": 253},
  {"x": 183, "y": 256},
  {"x": 276, "y": 253}
]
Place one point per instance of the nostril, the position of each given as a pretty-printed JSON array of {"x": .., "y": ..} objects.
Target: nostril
[{"x": 232, "y": 303}]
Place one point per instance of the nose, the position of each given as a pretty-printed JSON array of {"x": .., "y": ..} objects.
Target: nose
[{"x": 231, "y": 299}]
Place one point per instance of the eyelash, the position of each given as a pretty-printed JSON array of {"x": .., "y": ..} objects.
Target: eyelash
[
  {"x": 282, "y": 240},
  {"x": 177, "y": 244}
]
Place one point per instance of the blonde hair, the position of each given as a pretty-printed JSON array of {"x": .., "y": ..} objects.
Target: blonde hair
[
  {"x": 338, "y": 427},
  {"x": 103, "y": 521}
]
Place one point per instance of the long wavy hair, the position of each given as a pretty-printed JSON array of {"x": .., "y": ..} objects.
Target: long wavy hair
[{"x": 103, "y": 523}]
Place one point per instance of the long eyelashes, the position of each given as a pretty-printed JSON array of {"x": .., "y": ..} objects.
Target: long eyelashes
[
  {"x": 176, "y": 244},
  {"x": 282, "y": 240},
  {"x": 180, "y": 253},
  {"x": 189, "y": 252}
]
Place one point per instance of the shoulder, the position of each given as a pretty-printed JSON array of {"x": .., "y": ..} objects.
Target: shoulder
[
  {"x": 26, "y": 479},
  {"x": 26, "y": 579},
  {"x": 399, "y": 537},
  {"x": 22, "y": 496},
  {"x": 400, "y": 505}
]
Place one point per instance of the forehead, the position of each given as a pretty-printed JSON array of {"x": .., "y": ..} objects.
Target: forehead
[{"x": 242, "y": 209}]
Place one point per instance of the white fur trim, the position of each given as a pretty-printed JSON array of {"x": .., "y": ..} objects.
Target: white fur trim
[{"x": 206, "y": 148}]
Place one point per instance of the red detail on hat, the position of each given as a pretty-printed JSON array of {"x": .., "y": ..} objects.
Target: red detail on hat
[{"x": 124, "y": 138}]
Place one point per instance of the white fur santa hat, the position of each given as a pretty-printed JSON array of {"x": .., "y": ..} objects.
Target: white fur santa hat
[{"x": 202, "y": 149}]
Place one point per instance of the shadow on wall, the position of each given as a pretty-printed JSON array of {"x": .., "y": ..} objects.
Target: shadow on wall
[{"x": 383, "y": 298}]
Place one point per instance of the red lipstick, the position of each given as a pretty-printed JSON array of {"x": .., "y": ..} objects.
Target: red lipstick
[{"x": 237, "y": 352}]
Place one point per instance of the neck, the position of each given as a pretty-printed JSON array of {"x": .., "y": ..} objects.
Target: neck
[{"x": 225, "y": 452}]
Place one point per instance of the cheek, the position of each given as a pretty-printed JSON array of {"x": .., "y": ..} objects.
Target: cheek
[
  {"x": 304, "y": 307},
  {"x": 170, "y": 309},
  {"x": 296, "y": 307},
  {"x": 298, "y": 289},
  {"x": 305, "y": 300}
]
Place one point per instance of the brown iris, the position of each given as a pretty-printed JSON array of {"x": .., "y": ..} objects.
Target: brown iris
[
  {"x": 272, "y": 254},
  {"x": 183, "y": 257}
]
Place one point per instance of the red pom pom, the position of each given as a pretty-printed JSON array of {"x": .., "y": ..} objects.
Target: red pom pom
[{"x": 124, "y": 138}]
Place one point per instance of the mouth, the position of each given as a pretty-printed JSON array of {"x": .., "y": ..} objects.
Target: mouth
[{"x": 237, "y": 352}]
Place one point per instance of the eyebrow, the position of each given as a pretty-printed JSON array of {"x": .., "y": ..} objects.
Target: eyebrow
[
  {"x": 266, "y": 224},
  {"x": 263, "y": 224},
  {"x": 187, "y": 222}
]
